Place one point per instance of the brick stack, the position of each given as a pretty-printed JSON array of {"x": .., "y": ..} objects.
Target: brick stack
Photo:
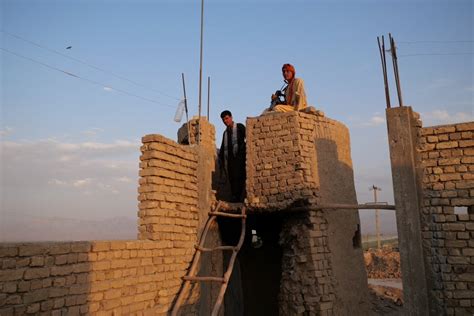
[
  {"x": 75, "y": 278},
  {"x": 281, "y": 158},
  {"x": 447, "y": 154},
  {"x": 306, "y": 286}
]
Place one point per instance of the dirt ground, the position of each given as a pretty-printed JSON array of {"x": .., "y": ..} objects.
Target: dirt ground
[
  {"x": 384, "y": 264},
  {"x": 386, "y": 300}
]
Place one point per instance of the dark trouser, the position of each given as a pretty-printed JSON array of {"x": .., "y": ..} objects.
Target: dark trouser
[
  {"x": 237, "y": 188},
  {"x": 236, "y": 173}
]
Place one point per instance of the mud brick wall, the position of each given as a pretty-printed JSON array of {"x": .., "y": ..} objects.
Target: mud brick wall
[
  {"x": 307, "y": 277},
  {"x": 98, "y": 277},
  {"x": 168, "y": 191},
  {"x": 168, "y": 207},
  {"x": 283, "y": 168},
  {"x": 297, "y": 159},
  {"x": 447, "y": 154}
]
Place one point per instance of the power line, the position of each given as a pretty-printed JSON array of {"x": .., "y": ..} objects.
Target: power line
[
  {"x": 87, "y": 64},
  {"x": 434, "y": 42},
  {"x": 106, "y": 87},
  {"x": 435, "y": 54}
]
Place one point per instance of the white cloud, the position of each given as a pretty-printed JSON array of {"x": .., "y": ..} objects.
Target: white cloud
[
  {"x": 56, "y": 182},
  {"x": 123, "y": 179},
  {"x": 82, "y": 182},
  {"x": 93, "y": 131},
  {"x": 376, "y": 120},
  {"x": 51, "y": 177},
  {"x": 5, "y": 131},
  {"x": 438, "y": 117}
]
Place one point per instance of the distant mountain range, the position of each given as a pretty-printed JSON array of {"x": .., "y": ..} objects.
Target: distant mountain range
[
  {"x": 20, "y": 227},
  {"x": 16, "y": 228}
]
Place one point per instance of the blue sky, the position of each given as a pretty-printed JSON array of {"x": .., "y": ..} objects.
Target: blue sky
[{"x": 66, "y": 139}]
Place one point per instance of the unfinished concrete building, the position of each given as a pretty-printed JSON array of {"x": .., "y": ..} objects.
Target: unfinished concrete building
[{"x": 299, "y": 186}]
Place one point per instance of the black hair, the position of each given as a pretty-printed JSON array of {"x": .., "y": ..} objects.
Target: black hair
[{"x": 225, "y": 113}]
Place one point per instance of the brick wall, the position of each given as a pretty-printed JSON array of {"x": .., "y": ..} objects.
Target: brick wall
[
  {"x": 168, "y": 191},
  {"x": 447, "y": 154},
  {"x": 298, "y": 159},
  {"x": 282, "y": 166},
  {"x": 72, "y": 278},
  {"x": 307, "y": 277}
]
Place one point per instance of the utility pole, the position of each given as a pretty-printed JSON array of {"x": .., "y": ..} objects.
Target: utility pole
[{"x": 377, "y": 222}]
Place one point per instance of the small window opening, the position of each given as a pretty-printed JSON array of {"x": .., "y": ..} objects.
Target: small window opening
[{"x": 459, "y": 210}]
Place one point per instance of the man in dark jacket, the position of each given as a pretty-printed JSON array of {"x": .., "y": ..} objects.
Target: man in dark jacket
[{"x": 232, "y": 155}]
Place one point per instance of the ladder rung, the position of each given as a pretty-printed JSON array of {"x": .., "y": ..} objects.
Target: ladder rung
[
  {"x": 227, "y": 215},
  {"x": 202, "y": 278},
  {"x": 216, "y": 248}
]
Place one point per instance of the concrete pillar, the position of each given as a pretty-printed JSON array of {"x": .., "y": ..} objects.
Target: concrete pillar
[{"x": 402, "y": 136}]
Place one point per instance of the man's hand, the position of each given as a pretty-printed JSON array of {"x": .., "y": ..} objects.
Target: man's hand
[{"x": 274, "y": 96}]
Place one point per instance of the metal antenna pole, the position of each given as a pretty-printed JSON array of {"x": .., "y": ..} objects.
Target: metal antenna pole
[
  {"x": 208, "y": 95},
  {"x": 200, "y": 73},
  {"x": 384, "y": 70},
  {"x": 377, "y": 221}
]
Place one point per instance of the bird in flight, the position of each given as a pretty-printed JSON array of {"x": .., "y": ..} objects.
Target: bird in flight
[{"x": 69, "y": 47}]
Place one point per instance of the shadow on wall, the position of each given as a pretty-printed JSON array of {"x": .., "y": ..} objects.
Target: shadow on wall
[{"x": 336, "y": 180}]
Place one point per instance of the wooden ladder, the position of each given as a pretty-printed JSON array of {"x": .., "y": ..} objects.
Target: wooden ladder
[{"x": 191, "y": 276}]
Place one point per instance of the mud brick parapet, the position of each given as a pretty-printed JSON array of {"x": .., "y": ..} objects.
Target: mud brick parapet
[
  {"x": 283, "y": 166},
  {"x": 83, "y": 278},
  {"x": 168, "y": 191},
  {"x": 447, "y": 154}
]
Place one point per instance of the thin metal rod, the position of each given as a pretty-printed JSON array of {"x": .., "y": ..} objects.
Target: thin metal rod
[
  {"x": 393, "y": 49},
  {"x": 188, "y": 124},
  {"x": 200, "y": 73},
  {"x": 384, "y": 70},
  {"x": 208, "y": 95},
  {"x": 185, "y": 99}
]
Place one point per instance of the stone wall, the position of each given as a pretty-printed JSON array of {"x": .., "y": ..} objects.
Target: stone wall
[
  {"x": 72, "y": 278},
  {"x": 447, "y": 154}
]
